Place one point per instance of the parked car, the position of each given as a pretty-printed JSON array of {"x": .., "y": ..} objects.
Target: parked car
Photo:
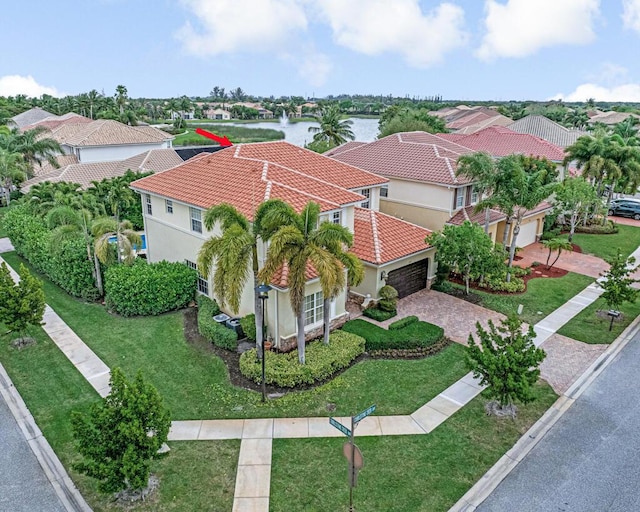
[{"x": 625, "y": 208}]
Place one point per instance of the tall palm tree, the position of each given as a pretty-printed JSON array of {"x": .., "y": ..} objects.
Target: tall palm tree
[
  {"x": 104, "y": 229},
  {"x": 121, "y": 97},
  {"x": 299, "y": 243},
  {"x": 234, "y": 252},
  {"x": 34, "y": 147},
  {"x": 332, "y": 129},
  {"x": 481, "y": 169}
]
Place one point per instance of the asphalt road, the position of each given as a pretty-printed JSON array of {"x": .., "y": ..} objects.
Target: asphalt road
[
  {"x": 590, "y": 460},
  {"x": 23, "y": 484}
]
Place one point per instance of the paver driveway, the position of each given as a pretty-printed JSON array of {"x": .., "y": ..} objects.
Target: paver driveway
[
  {"x": 584, "y": 264},
  {"x": 456, "y": 316}
]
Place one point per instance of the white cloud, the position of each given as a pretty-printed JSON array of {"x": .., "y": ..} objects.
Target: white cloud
[
  {"x": 314, "y": 68},
  {"x": 10, "y": 85},
  {"x": 625, "y": 92},
  {"x": 240, "y": 25},
  {"x": 522, "y": 27},
  {"x": 374, "y": 27},
  {"x": 631, "y": 14}
]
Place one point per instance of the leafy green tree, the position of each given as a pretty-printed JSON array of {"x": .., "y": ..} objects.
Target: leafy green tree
[
  {"x": 506, "y": 360},
  {"x": 303, "y": 241},
  {"x": 409, "y": 120},
  {"x": 575, "y": 198},
  {"x": 332, "y": 129},
  {"x": 482, "y": 170},
  {"x": 617, "y": 281},
  {"x": 22, "y": 303},
  {"x": 466, "y": 248},
  {"x": 120, "y": 435},
  {"x": 13, "y": 171},
  {"x": 556, "y": 244}
]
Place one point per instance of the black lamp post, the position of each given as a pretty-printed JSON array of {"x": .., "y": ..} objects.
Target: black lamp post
[{"x": 263, "y": 294}]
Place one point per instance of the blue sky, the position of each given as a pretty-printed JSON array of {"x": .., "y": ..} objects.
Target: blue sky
[{"x": 460, "y": 49}]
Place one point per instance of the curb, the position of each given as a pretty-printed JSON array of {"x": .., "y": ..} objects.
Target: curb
[
  {"x": 65, "y": 489},
  {"x": 474, "y": 497}
]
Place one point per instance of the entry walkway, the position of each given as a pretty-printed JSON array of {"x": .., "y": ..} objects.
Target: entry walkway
[
  {"x": 256, "y": 435},
  {"x": 585, "y": 264}
]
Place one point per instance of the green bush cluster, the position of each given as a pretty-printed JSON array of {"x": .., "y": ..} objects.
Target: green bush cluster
[
  {"x": 66, "y": 265},
  {"x": 216, "y": 333},
  {"x": 388, "y": 298},
  {"x": 379, "y": 315},
  {"x": 499, "y": 284},
  {"x": 149, "y": 288},
  {"x": 416, "y": 334},
  {"x": 403, "y": 322},
  {"x": 598, "y": 229},
  {"x": 248, "y": 324},
  {"x": 323, "y": 361}
]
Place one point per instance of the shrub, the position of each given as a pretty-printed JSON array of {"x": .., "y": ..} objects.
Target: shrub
[
  {"x": 598, "y": 229},
  {"x": 248, "y": 324},
  {"x": 378, "y": 314},
  {"x": 388, "y": 298},
  {"x": 403, "y": 322},
  {"x": 519, "y": 271},
  {"x": 216, "y": 333},
  {"x": 417, "y": 334},
  {"x": 149, "y": 288},
  {"x": 498, "y": 284},
  {"x": 323, "y": 361},
  {"x": 548, "y": 235}
]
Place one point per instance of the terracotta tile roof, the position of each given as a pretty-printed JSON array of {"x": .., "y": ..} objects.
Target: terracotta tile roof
[
  {"x": 55, "y": 121},
  {"x": 412, "y": 155},
  {"x": 380, "y": 238},
  {"x": 248, "y": 174},
  {"x": 156, "y": 160},
  {"x": 611, "y": 118},
  {"x": 352, "y": 144},
  {"x": 281, "y": 278},
  {"x": 30, "y": 117},
  {"x": 46, "y": 167},
  {"x": 545, "y": 128},
  {"x": 106, "y": 132},
  {"x": 469, "y": 213},
  {"x": 499, "y": 141}
]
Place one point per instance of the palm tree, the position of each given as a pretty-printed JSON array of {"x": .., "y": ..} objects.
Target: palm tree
[
  {"x": 481, "y": 169},
  {"x": 33, "y": 146},
  {"x": 234, "y": 252},
  {"x": 299, "y": 243},
  {"x": 556, "y": 244},
  {"x": 105, "y": 229},
  {"x": 332, "y": 129},
  {"x": 121, "y": 97},
  {"x": 13, "y": 171}
]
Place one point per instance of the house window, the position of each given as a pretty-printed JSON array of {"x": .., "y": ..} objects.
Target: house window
[
  {"x": 366, "y": 192},
  {"x": 196, "y": 220},
  {"x": 148, "y": 208},
  {"x": 337, "y": 218},
  {"x": 384, "y": 191},
  {"x": 474, "y": 195},
  {"x": 313, "y": 308},
  {"x": 459, "y": 197},
  {"x": 203, "y": 284},
  {"x": 168, "y": 203}
]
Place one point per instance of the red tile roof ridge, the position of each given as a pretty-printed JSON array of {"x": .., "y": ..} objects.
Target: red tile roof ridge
[
  {"x": 305, "y": 193},
  {"x": 382, "y": 214},
  {"x": 377, "y": 245},
  {"x": 463, "y": 149}
]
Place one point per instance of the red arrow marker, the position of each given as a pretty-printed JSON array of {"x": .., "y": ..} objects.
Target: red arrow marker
[{"x": 223, "y": 141}]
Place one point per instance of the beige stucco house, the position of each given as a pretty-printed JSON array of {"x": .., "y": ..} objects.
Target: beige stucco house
[
  {"x": 423, "y": 187},
  {"x": 174, "y": 203}
]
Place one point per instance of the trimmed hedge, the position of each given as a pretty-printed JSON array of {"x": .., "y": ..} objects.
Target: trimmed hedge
[
  {"x": 216, "y": 333},
  {"x": 149, "y": 288},
  {"x": 67, "y": 266},
  {"x": 248, "y": 324},
  {"x": 415, "y": 335},
  {"x": 323, "y": 361},
  {"x": 403, "y": 322},
  {"x": 378, "y": 314}
]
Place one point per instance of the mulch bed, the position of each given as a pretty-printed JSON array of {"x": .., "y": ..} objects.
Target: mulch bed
[{"x": 232, "y": 359}]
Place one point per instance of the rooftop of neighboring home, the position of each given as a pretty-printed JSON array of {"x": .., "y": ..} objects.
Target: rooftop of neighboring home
[
  {"x": 417, "y": 156},
  {"x": 344, "y": 147},
  {"x": 105, "y": 132},
  {"x": 611, "y": 118},
  {"x": 52, "y": 122},
  {"x": 469, "y": 213},
  {"x": 545, "y": 128},
  {"x": 29, "y": 117},
  {"x": 156, "y": 160},
  {"x": 248, "y": 174},
  {"x": 499, "y": 141},
  {"x": 466, "y": 120}
]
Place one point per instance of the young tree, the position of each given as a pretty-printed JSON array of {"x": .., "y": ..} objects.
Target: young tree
[
  {"x": 21, "y": 304},
  {"x": 465, "y": 248},
  {"x": 617, "y": 283},
  {"x": 575, "y": 198},
  {"x": 507, "y": 361},
  {"x": 120, "y": 435},
  {"x": 556, "y": 244}
]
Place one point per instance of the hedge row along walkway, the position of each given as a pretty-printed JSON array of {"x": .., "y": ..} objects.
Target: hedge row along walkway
[{"x": 254, "y": 467}]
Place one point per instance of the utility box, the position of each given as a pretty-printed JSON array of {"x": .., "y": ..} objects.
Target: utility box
[
  {"x": 222, "y": 318},
  {"x": 234, "y": 324}
]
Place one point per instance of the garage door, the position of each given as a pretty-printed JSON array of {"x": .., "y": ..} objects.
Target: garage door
[
  {"x": 527, "y": 234},
  {"x": 409, "y": 279}
]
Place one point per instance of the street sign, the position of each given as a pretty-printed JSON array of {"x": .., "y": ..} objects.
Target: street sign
[
  {"x": 358, "y": 418},
  {"x": 340, "y": 427}
]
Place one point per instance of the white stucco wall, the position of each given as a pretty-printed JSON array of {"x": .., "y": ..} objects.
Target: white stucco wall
[{"x": 115, "y": 152}]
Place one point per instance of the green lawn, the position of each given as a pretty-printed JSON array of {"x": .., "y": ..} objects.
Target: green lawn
[
  {"x": 194, "y": 383},
  {"x": 542, "y": 296},
  {"x": 236, "y": 134},
  {"x": 52, "y": 388},
  {"x": 627, "y": 239},
  {"x": 589, "y": 328},
  {"x": 401, "y": 473}
]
